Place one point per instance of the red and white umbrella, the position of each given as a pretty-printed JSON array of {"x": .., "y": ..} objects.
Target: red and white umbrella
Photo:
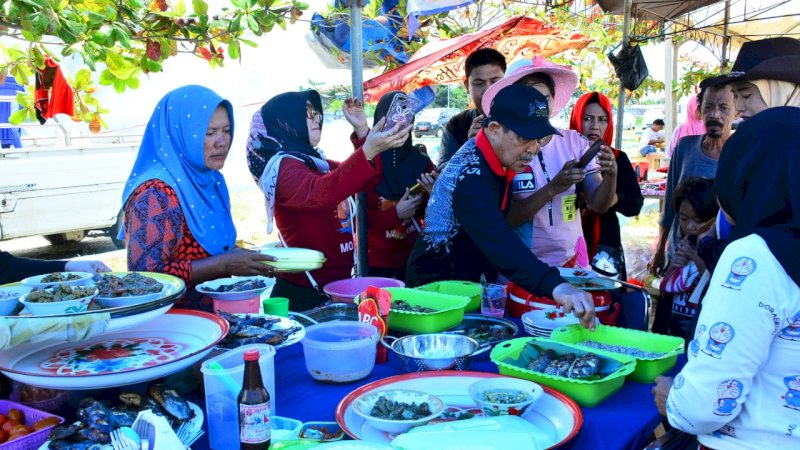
[{"x": 442, "y": 61}]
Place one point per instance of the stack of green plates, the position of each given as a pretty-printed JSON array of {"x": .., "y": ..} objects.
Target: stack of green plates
[{"x": 293, "y": 259}]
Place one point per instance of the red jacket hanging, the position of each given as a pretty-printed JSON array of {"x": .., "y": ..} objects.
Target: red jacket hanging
[{"x": 53, "y": 93}]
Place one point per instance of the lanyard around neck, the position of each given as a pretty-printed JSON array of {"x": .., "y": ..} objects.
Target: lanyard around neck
[{"x": 547, "y": 180}]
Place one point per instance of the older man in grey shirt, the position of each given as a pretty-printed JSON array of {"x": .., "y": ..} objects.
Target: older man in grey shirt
[{"x": 695, "y": 156}]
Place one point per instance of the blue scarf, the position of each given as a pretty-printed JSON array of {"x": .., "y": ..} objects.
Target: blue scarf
[{"x": 172, "y": 151}]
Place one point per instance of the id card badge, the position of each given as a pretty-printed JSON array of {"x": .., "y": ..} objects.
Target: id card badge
[{"x": 568, "y": 207}]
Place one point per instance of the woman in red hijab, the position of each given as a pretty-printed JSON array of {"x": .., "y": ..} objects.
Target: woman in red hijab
[{"x": 592, "y": 116}]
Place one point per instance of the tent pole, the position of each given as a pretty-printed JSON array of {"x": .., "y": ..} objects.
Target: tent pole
[
  {"x": 357, "y": 72},
  {"x": 725, "y": 37},
  {"x": 669, "y": 103},
  {"x": 626, "y": 29}
]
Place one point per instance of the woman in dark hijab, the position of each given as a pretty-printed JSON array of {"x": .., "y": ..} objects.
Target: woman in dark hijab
[
  {"x": 304, "y": 193},
  {"x": 741, "y": 385},
  {"x": 393, "y": 212}
]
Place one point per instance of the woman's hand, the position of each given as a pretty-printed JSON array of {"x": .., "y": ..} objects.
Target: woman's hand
[
  {"x": 379, "y": 141},
  {"x": 353, "y": 110},
  {"x": 427, "y": 180},
  {"x": 576, "y": 301},
  {"x": 407, "y": 205},
  {"x": 85, "y": 265},
  {"x": 245, "y": 262},
  {"x": 661, "y": 392},
  {"x": 568, "y": 175},
  {"x": 607, "y": 162}
]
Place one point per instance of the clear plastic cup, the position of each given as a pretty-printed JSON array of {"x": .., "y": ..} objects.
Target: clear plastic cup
[{"x": 493, "y": 300}]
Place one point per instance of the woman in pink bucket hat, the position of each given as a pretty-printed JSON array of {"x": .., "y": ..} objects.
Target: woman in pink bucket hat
[{"x": 547, "y": 208}]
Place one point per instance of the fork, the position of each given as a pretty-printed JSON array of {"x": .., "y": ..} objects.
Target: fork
[
  {"x": 147, "y": 431},
  {"x": 122, "y": 442},
  {"x": 187, "y": 435}
]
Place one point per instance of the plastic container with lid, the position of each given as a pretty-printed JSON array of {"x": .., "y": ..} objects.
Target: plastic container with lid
[
  {"x": 341, "y": 351},
  {"x": 222, "y": 380}
]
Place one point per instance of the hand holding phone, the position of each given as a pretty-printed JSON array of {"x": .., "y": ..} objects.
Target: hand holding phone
[
  {"x": 593, "y": 150},
  {"x": 401, "y": 110}
]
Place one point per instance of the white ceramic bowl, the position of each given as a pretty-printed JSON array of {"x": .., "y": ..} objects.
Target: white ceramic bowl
[
  {"x": 9, "y": 298},
  {"x": 116, "y": 302},
  {"x": 531, "y": 390},
  {"x": 36, "y": 281},
  {"x": 363, "y": 405},
  {"x": 52, "y": 308},
  {"x": 207, "y": 288}
]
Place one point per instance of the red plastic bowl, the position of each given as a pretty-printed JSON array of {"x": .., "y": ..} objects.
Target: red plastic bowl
[
  {"x": 345, "y": 291},
  {"x": 521, "y": 301}
]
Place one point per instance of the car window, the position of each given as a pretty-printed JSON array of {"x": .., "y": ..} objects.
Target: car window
[{"x": 428, "y": 115}]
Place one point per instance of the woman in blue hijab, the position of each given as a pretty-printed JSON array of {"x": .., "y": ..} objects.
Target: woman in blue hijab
[{"x": 177, "y": 209}]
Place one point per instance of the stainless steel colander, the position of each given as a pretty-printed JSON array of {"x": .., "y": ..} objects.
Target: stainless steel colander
[{"x": 437, "y": 351}]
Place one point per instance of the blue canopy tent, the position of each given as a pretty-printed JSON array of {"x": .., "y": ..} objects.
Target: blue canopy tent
[{"x": 9, "y": 137}]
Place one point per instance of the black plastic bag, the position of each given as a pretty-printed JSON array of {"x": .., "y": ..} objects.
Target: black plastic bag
[{"x": 630, "y": 67}]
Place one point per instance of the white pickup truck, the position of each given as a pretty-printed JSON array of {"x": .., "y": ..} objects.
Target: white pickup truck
[{"x": 62, "y": 187}]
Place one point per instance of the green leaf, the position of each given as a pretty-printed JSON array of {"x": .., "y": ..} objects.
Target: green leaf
[
  {"x": 252, "y": 24},
  {"x": 83, "y": 77},
  {"x": 119, "y": 66},
  {"x": 153, "y": 66},
  {"x": 200, "y": 7},
  {"x": 99, "y": 37},
  {"x": 96, "y": 19},
  {"x": 18, "y": 72},
  {"x": 236, "y": 23},
  {"x": 18, "y": 117},
  {"x": 248, "y": 42},
  {"x": 23, "y": 100},
  {"x": 122, "y": 36},
  {"x": 132, "y": 83},
  {"x": 107, "y": 78},
  {"x": 180, "y": 8},
  {"x": 120, "y": 86},
  {"x": 32, "y": 115},
  {"x": 233, "y": 49}
]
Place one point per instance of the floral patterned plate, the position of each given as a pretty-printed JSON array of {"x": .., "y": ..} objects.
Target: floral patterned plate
[
  {"x": 160, "y": 347},
  {"x": 556, "y": 417}
]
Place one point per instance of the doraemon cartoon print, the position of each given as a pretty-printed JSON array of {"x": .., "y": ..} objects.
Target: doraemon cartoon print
[
  {"x": 694, "y": 346},
  {"x": 792, "y": 332},
  {"x": 719, "y": 335},
  {"x": 792, "y": 396},
  {"x": 740, "y": 269},
  {"x": 728, "y": 392}
]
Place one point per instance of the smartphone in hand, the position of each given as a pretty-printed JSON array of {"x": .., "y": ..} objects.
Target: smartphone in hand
[
  {"x": 416, "y": 189},
  {"x": 593, "y": 150},
  {"x": 401, "y": 110}
]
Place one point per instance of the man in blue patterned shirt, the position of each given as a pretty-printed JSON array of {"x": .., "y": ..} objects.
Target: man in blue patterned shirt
[{"x": 466, "y": 232}]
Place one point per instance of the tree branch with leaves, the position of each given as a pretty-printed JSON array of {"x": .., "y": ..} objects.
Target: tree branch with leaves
[{"x": 123, "y": 39}]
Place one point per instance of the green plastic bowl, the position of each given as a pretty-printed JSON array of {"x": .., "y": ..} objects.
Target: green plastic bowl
[
  {"x": 459, "y": 288},
  {"x": 585, "y": 392},
  {"x": 449, "y": 311},
  {"x": 647, "y": 369}
]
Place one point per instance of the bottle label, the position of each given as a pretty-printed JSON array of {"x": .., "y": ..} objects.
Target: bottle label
[{"x": 255, "y": 426}]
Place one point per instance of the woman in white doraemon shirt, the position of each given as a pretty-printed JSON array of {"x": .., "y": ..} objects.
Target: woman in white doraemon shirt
[{"x": 740, "y": 388}]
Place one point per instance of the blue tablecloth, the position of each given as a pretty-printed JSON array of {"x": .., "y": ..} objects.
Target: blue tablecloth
[{"x": 625, "y": 420}]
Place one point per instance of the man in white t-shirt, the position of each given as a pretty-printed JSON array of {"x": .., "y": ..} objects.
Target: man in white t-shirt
[{"x": 652, "y": 136}]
